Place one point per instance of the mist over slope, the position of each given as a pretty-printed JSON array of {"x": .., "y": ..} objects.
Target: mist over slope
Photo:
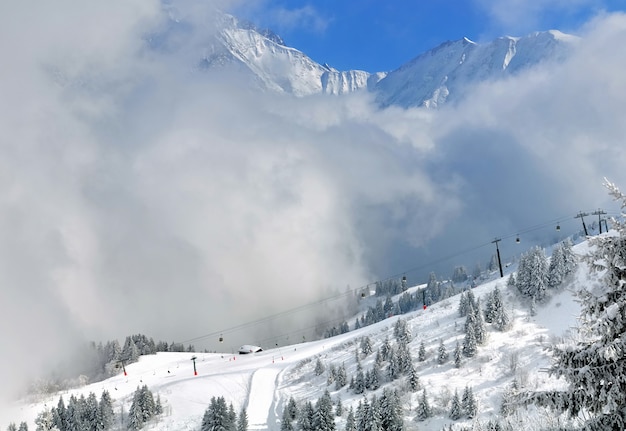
[
  {"x": 262, "y": 383},
  {"x": 142, "y": 193}
]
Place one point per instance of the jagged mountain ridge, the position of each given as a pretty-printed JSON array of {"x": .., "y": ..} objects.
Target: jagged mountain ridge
[{"x": 431, "y": 79}]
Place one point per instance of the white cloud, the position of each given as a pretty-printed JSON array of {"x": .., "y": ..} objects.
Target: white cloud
[
  {"x": 138, "y": 195},
  {"x": 519, "y": 17}
]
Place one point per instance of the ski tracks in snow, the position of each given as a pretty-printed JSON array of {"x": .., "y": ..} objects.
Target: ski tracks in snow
[{"x": 263, "y": 398}]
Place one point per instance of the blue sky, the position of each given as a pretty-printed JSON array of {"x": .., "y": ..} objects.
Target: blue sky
[{"x": 380, "y": 36}]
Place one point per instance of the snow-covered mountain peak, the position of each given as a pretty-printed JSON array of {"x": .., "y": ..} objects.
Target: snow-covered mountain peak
[
  {"x": 445, "y": 72},
  {"x": 435, "y": 77}
]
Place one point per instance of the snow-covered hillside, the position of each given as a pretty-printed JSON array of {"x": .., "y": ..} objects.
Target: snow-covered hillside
[{"x": 263, "y": 382}]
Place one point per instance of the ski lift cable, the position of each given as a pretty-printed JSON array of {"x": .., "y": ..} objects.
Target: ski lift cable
[{"x": 355, "y": 291}]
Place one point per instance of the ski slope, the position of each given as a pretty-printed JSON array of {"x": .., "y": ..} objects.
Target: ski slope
[{"x": 262, "y": 382}]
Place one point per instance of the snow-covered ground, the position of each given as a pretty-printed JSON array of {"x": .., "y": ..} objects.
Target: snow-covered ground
[{"x": 262, "y": 382}]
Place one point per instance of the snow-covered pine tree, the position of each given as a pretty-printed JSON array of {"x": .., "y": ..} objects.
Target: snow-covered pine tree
[
  {"x": 285, "y": 422},
  {"x": 366, "y": 345},
  {"x": 323, "y": 419},
  {"x": 338, "y": 407},
  {"x": 391, "y": 411},
  {"x": 468, "y": 403},
  {"x": 306, "y": 417},
  {"x": 319, "y": 367},
  {"x": 456, "y": 410},
  {"x": 362, "y": 414},
  {"x": 292, "y": 408},
  {"x": 388, "y": 306},
  {"x": 216, "y": 416},
  {"x": 459, "y": 274},
  {"x": 341, "y": 378},
  {"x": 90, "y": 411},
  {"x": 501, "y": 319},
  {"x": 595, "y": 367},
  {"x": 375, "y": 415},
  {"x": 432, "y": 287},
  {"x": 74, "y": 413},
  {"x": 458, "y": 360},
  {"x": 232, "y": 418},
  {"x": 359, "y": 380},
  {"x": 442, "y": 353},
  {"x": 479, "y": 329},
  {"x": 511, "y": 281},
  {"x": 393, "y": 369},
  {"x": 470, "y": 346},
  {"x": 423, "y": 408},
  {"x": 374, "y": 378},
  {"x": 562, "y": 263},
  {"x": 421, "y": 352},
  {"x": 60, "y": 415},
  {"x": 105, "y": 416},
  {"x": 350, "y": 421},
  {"x": 413, "y": 380},
  {"x": 404, "y": 358},
  {"x": 385, "y": 349},
  {"x": 401, "y": 331},
  {"x": 463, "y": 304},
  {"x": 23, "y": 426},
  {"x": 44, "y": 421},
  {"x": 532, "y": 274},
  {"x": 489, "y": 308},
  {"x": 242, "y": 420}
]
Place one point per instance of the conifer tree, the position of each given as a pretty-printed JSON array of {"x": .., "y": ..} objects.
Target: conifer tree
[
  {"x": 421, "y": 352},
  {"x": 480, "y": 330},
  {"x": 350, "y": 421},
  {"x": 532, "y": 274},
  {"x": 292, "y": 408},
  {"x": 562, "y": 263},
  {"x": 469, "y": 342},
  {"x": 423, "y": 408},
  {"x": 45, "y": 421},
  {"x": 385, "y": 349},
  {"x": 501, "y": 319},
  {"x": 338, "y": 407},
  {"x": 306, "y": 417},
  {"x": 393, "y": 369},
  {"x": 458, "y": 360},
  {"x": 402, "y": 332},
  {"x": 413, "y": 379},
  {"x": 217, "y": 416},
  {"x": 374, "y": 421},
  {"x": 366, "y": 345},
  {"x": 456, "y": 410},
  {"x": 323, "y": 419},
  {"x": 359, "y": 380},
  {"x": 362, "y": 415},
  {"x": 285, "y": 423},
  {"x": 242, "y": 420},
  {"x": 391, "y": 411},
  {"x": 105, "y": 416},
  {"x": 319, "y": 367},
  {"x": 442, "y": 353},
  {"x": 341, "y": 377},
  {"x": 463, "y": 304},
  {"x": 469, "y": 403},
  {"x": 595, "y": 367}
]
